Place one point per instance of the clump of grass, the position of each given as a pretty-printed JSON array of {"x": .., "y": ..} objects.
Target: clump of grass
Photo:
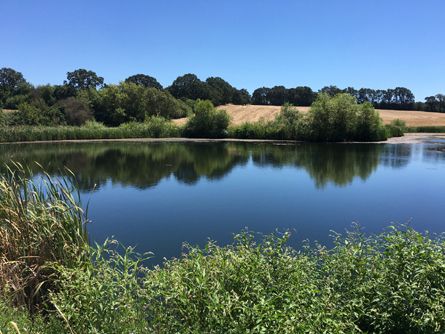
[
  {"x": 41, "y": 223},
  {"x": 396, "y": 128}
]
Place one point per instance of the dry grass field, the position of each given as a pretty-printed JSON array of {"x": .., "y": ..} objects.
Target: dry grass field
[{"x": 253, "y": 113}]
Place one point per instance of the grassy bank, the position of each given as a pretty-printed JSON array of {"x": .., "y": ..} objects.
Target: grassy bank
[
  {"x": 153, "y": 128},
  {"x": 426, "y": 129},
  {"x": 53, "y": 281}
]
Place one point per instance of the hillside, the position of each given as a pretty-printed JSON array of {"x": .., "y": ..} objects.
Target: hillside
[{"x": 252, "y": 113}]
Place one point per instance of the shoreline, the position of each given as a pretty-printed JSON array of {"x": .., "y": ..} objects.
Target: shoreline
[{"x": 408, "y": 138}]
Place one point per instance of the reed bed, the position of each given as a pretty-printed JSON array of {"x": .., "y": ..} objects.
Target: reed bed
[{"x": 41, "y": 223}]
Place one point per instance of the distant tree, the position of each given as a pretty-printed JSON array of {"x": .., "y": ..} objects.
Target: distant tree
[
  {"x": 62, "y": 92},
  {"x": 241, "y": 97},
  {"x": 144, "y": 80},
  {"x": 435, "y": 103},
  {"x": 83, "y": 79},
  {"x": 12, "y": 83},
  {"x": 45, "y": 92},
  {"x": 260, "y": 96},
  {"x": 189, "y": 86},
  {"x": 221, "y": 92},
  {"x": 301, "y": 96},
  {"x": 126, "y": 102},
  {"x": 331, "y": 90},
  {"x": 277, "y": 95}
]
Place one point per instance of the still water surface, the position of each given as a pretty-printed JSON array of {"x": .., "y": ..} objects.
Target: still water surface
[{"x": 158, "y": 195}]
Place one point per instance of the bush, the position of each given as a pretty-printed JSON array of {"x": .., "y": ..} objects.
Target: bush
[
  {"x": 105, "y": 295},
  {"x": 396, "y": 128},
  {"x": 76, "y": 110},
  {"x": 38, "y": 113},
  {"x": 341, "y": 118},
  {"x": 207, "y": 121},
  {"x": 258, "y": 130}
]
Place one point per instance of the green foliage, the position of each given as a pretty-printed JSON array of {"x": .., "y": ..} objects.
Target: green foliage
[
  {"x": 38, "y": 113},
  {"x": 337, "y": 118},
  {"x": 151, "y": 128},
  {"x": 104, "y": 295},
  {"x": 390, "y": 283},
  {"x": 76, "y": 110},
  {"x": 207, "y": 121},
  {"x": 83, "y": 79},
  {"x": 13, "y": 87},
  {"x": 144, "y": 80},
  {"x": 340, "y": 118},
  {"x": 396, "y": 128},
  {"x": 130, "y": 102},
  {"x": 258, "y": 130},
  {"x": 433, "y": 129}
]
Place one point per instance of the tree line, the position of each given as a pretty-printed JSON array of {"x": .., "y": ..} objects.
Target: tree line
[{"x": 84, "y": 95}]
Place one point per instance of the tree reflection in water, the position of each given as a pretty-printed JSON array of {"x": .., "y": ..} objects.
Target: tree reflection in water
[{"x": 143, "y": 165}]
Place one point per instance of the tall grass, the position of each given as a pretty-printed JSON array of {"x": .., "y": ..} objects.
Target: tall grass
[
  {"x": 40, "y": 223},
  {"x": 155, "y": 127},
  {"x": 432, "y": 129}
]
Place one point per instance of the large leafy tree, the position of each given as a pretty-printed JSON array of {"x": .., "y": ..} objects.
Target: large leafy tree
[
  {"x": 277, "y": 95},
  {"x": 259, "y": 96},
  {"x": 12, "y": 83},
  {"x": 83, "y": 79},
  {"x": 144, "y": 80},
  {"x": 189, "y": 86},
  {"x": 220, "y": 90}
]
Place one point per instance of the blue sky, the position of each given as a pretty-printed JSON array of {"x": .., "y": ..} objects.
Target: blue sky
[{"x": 252, "y": 43}]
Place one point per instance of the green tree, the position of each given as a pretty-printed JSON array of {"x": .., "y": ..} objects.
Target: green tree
[
  {"x": 38, "y": 112},
  {"x": 83, "y": 79},
  {"x": 129, "y": 102},
  {"x": 260, "y": 96},
  {"x": 221, "y": 92},
  {"x": 12, "y": 84},
  {"x": 207, "y": 121},
  {"x": 241, "y": 96},
  {"x": 189, "y": 86},
  {"x": 144, "y": 80}
]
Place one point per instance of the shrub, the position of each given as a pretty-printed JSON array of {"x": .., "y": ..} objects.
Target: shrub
[
  {"x": 104, "y": 295},
  {"x": 76, "y": 110},
  {"x": 38, "y": 113},
  {"x": 207, "y": 121},
  {"x": 341, "y": 118},
  {"x": 396, "y": 128},
  {"x": 258, "y": 130}
]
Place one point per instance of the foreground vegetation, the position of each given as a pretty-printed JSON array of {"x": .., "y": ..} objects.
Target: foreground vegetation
[{"x": 53, "y": 281}]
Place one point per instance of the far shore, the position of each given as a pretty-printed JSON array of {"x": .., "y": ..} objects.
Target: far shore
[{"x": 408, "y": 138}]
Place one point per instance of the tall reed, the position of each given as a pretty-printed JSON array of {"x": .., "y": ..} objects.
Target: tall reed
[{"x": 41, "y": 222}]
